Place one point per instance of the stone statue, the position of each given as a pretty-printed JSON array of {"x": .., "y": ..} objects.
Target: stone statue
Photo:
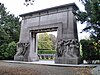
[
  {"x": 22, "y": 51},
  {"x": 25, "y": 48},
  {"x": 19, "y": 49}
]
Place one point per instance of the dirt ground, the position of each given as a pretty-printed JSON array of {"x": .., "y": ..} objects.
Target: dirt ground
[{"x": 35, "y": 69}]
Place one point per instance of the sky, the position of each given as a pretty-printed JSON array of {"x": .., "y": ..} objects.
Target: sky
[{"x": 17, "y": 7}]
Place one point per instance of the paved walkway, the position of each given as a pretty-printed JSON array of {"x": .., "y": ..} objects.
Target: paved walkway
[
  {"x": 52, "y": 63},
  {"x": 17, "y": 68}
]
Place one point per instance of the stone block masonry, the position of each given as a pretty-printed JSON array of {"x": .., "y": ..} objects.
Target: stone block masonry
[{"x": 60, "y": 19}]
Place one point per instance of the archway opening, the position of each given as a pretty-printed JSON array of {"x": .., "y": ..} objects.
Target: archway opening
[
  {"x": 47, "y": 45},
  {"x": 43, "y": 47}
]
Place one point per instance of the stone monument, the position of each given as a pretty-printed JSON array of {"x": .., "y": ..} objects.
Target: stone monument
[{"x": 60, "y": 19}]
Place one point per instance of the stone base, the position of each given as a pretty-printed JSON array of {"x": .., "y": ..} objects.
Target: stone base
[
  {"x": 65, "y": 60},
  {"x": 20, "y": 58},
  {"x": 33, "y": 58},
  {"x": 29, "y": 58}
]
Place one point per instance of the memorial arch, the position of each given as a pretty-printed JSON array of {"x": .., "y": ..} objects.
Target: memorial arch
[{"x": 60, "y": 19}]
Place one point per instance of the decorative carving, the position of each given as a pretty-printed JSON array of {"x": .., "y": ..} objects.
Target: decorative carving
[
  {"x": 60, "y": 48},
  {"x": 68, "y": 48},
  {"x": 22, "y": 48}
]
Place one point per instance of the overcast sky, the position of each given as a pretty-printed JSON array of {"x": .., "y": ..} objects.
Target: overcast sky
[{"x": 17, "y": 7}]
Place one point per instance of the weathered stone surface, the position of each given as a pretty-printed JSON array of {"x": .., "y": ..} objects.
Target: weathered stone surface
[
  {"x": 60, "y": 19},
  {"x": 68, "y": 60},
  {"x": 96, "y": 70}
]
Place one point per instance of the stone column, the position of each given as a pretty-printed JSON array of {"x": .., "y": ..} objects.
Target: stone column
[
  {"x": 33, "y": 47},
  {"x": 36, "y": 44}
]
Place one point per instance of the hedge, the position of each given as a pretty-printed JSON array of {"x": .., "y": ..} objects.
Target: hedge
[{"x": 46, "y": 51}]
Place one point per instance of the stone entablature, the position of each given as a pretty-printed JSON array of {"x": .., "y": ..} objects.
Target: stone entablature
[{"x": 48, "y": 11}]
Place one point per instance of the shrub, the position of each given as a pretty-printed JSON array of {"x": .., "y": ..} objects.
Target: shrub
[
  {"x": 89, "y": 50},
  {"x": 46, "y": 51},
  {"x": 2, "y": 51},
  {"x": 7, "y": 51}
]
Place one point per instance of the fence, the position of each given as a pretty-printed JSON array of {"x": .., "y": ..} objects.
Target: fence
[{"x": 46, "y": 56}]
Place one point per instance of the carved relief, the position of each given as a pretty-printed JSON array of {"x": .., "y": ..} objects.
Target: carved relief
[
  {"x": 68, "y": 48},
  {"x": 22, "y": 49},
  {"x": 60, "y": 48}
]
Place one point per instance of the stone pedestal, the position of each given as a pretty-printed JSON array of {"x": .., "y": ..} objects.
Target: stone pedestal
[
  {"x": 66, "y": 60},
  {"x": 18, "y": 58},
  {"x": 33, "y": 58}
]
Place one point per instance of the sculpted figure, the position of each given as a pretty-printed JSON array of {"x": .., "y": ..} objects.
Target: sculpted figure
[
  {"x": 25, "y": 48},
  {"x": 76, "y": 47},
  {"x": 19, "y": 49},
  {"x": 22, "y": 49},
  {"x": 60, "y": 48},
  {"x": 73, "y": 48},
  {"x": 67, "y": 48}
]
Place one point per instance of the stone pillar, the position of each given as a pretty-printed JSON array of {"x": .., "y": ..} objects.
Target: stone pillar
[
  {"x": 33, "y": 47},
  {"x": 37, "y": 45},
  {"x": 68, "y": 46}
]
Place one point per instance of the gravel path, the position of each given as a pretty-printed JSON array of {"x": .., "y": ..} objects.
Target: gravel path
[{"x": 34, "y": 69}]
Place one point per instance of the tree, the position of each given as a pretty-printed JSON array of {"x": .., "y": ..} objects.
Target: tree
[
  {"x": 91, "y": 17},
  {"x": 54, "y": 40},
  {"x": 9, "y": 32},
  {"x": 45, "y": 42},
  {"x": 89, "y": 52}
]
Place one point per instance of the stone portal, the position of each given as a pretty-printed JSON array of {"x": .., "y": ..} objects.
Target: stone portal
[{"x": 60, "y": 19}]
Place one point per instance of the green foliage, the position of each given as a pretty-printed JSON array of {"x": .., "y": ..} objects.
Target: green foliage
[
  {"x": 45, "y": 42},
  {"x": 7, "y": 51},
  {"x": 91, "y": 17},
  {"x": 46, "y": 51},
  {"x": 54, "y": 40},
  {"x": 11, "y": 50},
  {"x": 3, "y": 50},
  {"x": 89, "y": 50},
  {"x": 9, "y": 33},
  {"x": 9, "y": 26}
]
